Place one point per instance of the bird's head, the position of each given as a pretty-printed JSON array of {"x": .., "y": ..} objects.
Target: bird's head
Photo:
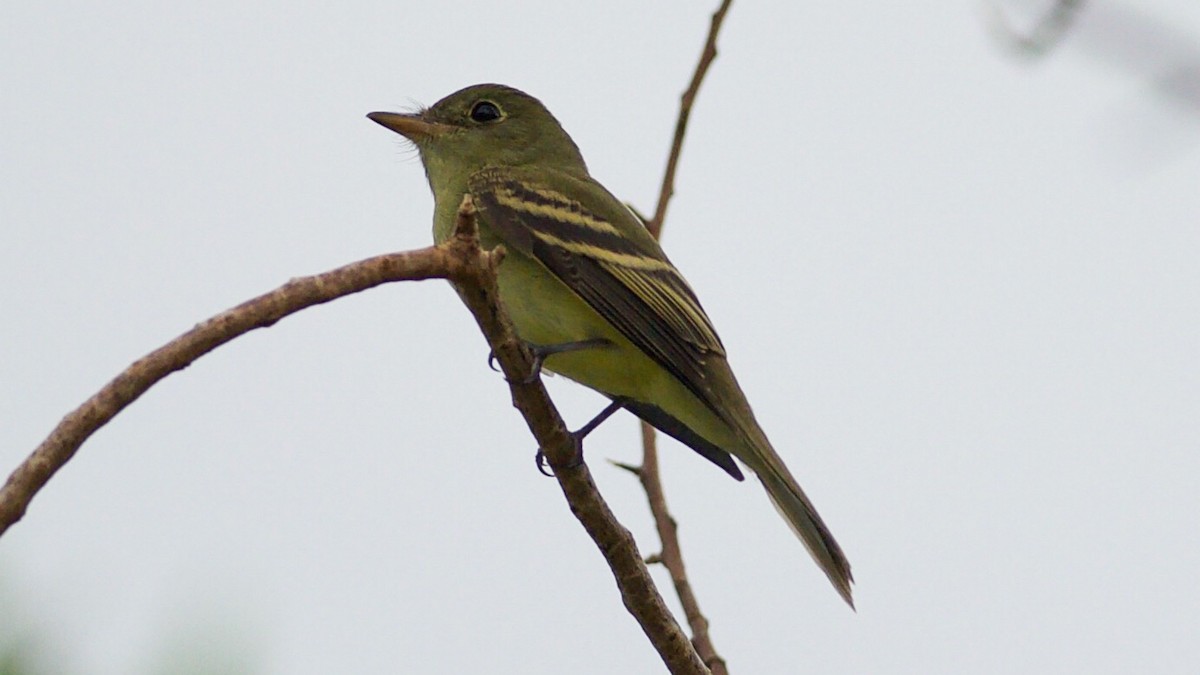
[{"x": 484, "y": 125}]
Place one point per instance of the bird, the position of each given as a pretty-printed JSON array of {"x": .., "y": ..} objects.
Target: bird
[{"x": 591, "y": 290}]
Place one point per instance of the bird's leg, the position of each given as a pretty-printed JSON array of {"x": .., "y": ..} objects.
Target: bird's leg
[
  {"x": 579, "y": 434},
  {"x": 542, "y": 352}
]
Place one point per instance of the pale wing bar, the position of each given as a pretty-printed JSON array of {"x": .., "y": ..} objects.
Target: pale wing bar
[{"x": 642, "y": 295}]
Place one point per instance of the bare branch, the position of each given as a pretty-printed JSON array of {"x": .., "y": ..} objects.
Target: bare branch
[
  {"x": 671, "y": 556},
  {"x": 261, "y": 312},
  {"x": 473, "y": 272},
  {"x": 685, "y": 111}
]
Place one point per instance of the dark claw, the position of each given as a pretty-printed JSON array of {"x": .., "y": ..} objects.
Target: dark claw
[
  {"x": 538, "y": 359},
  {"x": 577, "y": 436},
  {"x": 542, "y": 464},
  {"x": 542, "y": 352}
]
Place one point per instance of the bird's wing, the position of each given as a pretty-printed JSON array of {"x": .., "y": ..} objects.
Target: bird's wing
[{"x": 599, "y": 249}]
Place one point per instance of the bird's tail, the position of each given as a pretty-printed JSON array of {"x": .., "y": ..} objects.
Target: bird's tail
[
  {"x": 800, "y": 515},
  {"x": 756, "y": 452}
]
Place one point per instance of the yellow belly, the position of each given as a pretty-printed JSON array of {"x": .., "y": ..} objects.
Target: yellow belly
[{"x": 546, "y": 312}]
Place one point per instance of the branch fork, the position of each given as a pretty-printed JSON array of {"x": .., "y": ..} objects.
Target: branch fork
[{"x": 473, "y": 272}]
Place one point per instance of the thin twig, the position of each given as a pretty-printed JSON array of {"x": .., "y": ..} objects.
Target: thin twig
[
  {"x": 685, "y": 110},
  {"x": 671, "y": 556}
]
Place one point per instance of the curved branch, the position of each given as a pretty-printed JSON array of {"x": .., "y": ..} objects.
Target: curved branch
[
  {"x": 62, "y": 443},
  {"x": 473, "y": 272}
]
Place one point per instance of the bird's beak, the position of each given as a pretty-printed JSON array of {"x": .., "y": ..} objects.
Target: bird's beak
[{"x": 412, "y": 127}]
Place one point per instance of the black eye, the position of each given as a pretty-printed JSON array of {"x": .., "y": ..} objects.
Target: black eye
[{"x": 485, "y": 111}]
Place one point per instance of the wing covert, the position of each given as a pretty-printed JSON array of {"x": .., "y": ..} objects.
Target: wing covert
[{"x": 630, "y": 283}]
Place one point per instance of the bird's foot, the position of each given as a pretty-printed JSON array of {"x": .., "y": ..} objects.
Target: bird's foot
[
  {"x": 542, "y": 352},
  {"x": 577, "y": 437}
]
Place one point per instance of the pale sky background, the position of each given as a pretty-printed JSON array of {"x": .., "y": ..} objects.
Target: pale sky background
[{"x": 960, "y": 288}]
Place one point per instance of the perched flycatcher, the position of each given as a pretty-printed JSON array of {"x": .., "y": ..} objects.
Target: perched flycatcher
[{"x": 583, "y": 271}]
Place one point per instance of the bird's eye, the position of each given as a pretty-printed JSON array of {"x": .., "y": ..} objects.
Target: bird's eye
[{"x": 485, "y": 111}]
